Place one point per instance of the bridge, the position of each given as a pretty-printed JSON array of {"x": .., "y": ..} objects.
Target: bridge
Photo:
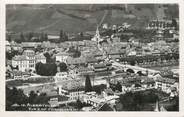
[{"x": 135, "y": 69}]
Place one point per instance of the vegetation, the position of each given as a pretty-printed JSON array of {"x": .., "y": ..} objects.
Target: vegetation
[
  {"x": 30, "y": 80},
  {"x": 63, "y": 36},
  {"x": 63, "y": 67},
  {"x": 75, "y": 52},
  {"x": 99, "y": 88},
  {"x": 174, "y": 104},
  {"x": 48, "y": 69},
  {"x": 48, "y": 58},
  {"x": 15, "y": 99},
  {"x": 136, "y": 101},
  {"x": 88, "y": 86},
  {"x": 116, "y": 87},
  {"x": 12, "y": 53}
]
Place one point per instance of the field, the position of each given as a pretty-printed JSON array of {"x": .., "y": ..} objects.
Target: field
[{"x": 15, "y": 83}]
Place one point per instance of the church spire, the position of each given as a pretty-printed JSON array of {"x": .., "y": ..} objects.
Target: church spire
[{"x": 97, "y": 33}]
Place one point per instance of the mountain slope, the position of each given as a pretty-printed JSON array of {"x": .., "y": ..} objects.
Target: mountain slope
[{"x": 77, "y": 18}]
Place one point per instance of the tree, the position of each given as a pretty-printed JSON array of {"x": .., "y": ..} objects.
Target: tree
[
  {"x": 46, "y": 37},
  {"x": 119, "y": 87},
  {"x": 99, "y": 88},
  {"x": 8, "y": 37},
  {"x": 32, "y": 97},
  {"x": 41, "y": 37},
  {"x": 132, "y": 62},
  {"x": 63, "y": 67},
  {"x": 140, "y": 73},
  {"x": 48, "y": 57},
  {"x": 30, "y": 36},
  {"x": 130, "y": 70},
  {"x": 41, "y": 99},
  {"x": 22, "y": 37},
  {"x": 48, "y": 69},
  {"x": 15, "y": 96},
  {"x": 88, "y": 87},
  {"x": 65, "y": 36},
  {"x": 37, "y": 67},
  {"x": 79, "y": 104},
  {"x": 174, "y": 24},
  {"x": 61, "y": 35}
]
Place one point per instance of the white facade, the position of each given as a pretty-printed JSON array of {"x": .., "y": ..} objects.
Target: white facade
[
  {"x": 23, "y": 63},
  {"x": 72, "y": 94},
  {"x": 27, "y": 61},
  {"x": 164, "y": 86},
  {"x": 40, "y": 58},
  {"x": 62, "y": 57},
  {"x": 61, "y": 76}
]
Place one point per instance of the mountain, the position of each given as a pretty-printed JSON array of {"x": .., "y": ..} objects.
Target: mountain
[{"x": 82, "y": 17}]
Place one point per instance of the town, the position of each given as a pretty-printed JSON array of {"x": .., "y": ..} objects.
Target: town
[{"x": 113, "y": 68}]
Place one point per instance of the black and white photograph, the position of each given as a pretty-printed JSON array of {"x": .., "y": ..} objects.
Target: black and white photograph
[{"x": 118, "y": 57}]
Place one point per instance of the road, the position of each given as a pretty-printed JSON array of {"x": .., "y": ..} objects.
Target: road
[{"x": 133, "y": 67}]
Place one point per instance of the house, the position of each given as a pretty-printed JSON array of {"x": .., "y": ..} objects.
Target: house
[
  {"x": 97, "y": 101},
  {"x": 72, "y": 89},
  {"x": 84, "y": 70},
  {"x": 76, "y": 61},
  {"x": 20, "y": 74},
  {"x": 56, "y": 99},
  {"x": 53, "y": 38},
  {"x": 8, "y": 46},
  {"x": 160, "y": 24},
  {"x": 100, "y": 67},
  {"x": 62, "y": 57},
  {"x": 61, "y": 76},
  {"x": 26, "y": 61},
  {"x": 148, "y": 82},
  {"x": 91, "y": 60},
  {"x": 40, "y": 58},
  {"x": 165, "y": 84},
  {"x": 30, "y": 45},
  {"x": 16, "y": 47},
  {"x": 76, "y": 93},
  {"x": 22, "y": 62}
]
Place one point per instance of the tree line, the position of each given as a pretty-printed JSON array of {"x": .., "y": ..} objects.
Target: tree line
[
  {"x": 16, "y": 97},
  {"x": 49, "y": 69}
]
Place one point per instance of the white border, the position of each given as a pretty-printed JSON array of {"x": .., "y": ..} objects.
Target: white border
[{"x": 88, "y": 114}]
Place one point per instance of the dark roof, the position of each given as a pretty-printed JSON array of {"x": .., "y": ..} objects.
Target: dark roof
[
  {"x": 166, "y": 80},
  {"x": 101, "y": 65}
]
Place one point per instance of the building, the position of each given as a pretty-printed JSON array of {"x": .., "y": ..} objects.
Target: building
[
  {"x": 76, "y": 61},
  {"x": 27, "y": 60},
  {"x": 62, "y": 57},
  {"x": 72, "y": 89},
  {"x": 20, "y": 75},
  {"x": 30, "y": 45},
  {"x": 165, "y": 84},
  {"x": 99, "y": 67},
  {"x": 40, "y": 58},
  {"x": 53, "y": 38},
  {"x": 22, "y": 62},
  {"x": 61, "y": 76},
  {"x": 160, "y": 24},
  {"x": 97, "y": 101},
  {"x": 8, "y": 46}
]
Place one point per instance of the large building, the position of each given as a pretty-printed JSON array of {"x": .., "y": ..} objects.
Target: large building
[
  {"x": 27, "y": 60},
  {"x": 71, "y": 88}
]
